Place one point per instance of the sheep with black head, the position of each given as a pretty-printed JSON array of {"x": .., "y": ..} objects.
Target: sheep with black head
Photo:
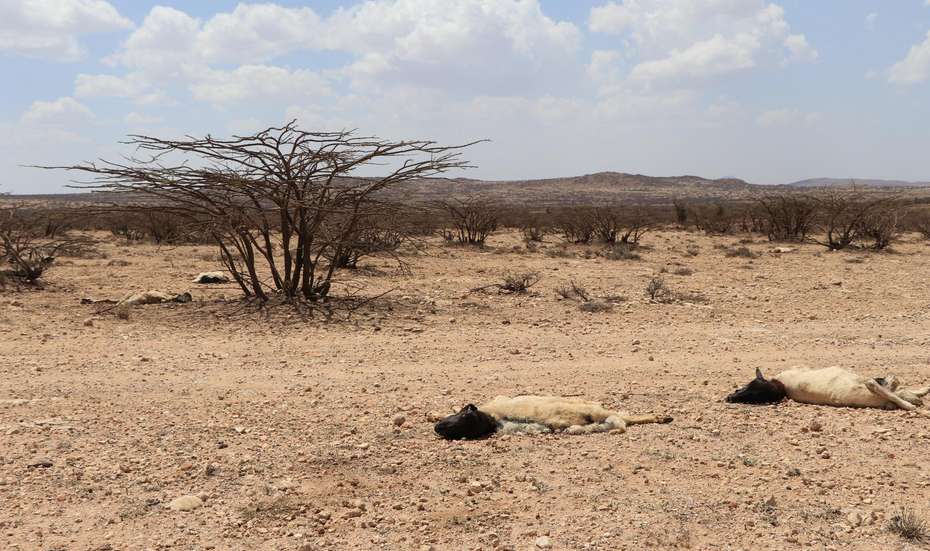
[
  {"x": 829, "y": 386},
  {"x": 537, "y": 414}
]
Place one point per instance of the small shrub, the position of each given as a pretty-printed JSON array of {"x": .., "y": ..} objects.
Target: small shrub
[
  {"x": 908, "y": 525},
  {"x": 519, "y": 283},
  {"x": 572, "y": 291},
  {"x": 657, "y": 290},
  {"x": 692, "y": 250},
  {"x": 683, "y": 271},
  {"x": 514, "y": 284},
  {"x": 533, "y": 233},
  {"x": 620, "y": 251}
]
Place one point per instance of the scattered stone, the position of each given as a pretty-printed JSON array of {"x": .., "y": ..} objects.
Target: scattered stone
[
  {"x": 543, "y": 542},
  {"x": 815, "y": 426},
  {"x": 89, "y": 322},
  {"x": 185, "y": 503},
  {"x": 399, "y": 420},
  {"x": 40, "y": 463}
]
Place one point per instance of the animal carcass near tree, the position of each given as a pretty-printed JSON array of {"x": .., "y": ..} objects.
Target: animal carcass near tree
[
  {"x": 207, "y": 278},
  {"x": 829, "y": 386},
  {"x": 537, "y": 414}
]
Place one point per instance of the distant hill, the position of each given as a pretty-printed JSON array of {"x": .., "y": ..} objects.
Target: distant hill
[
  {"x": 599, "y": 188},
  {"x": 866, "y": 182},
  {"x": 595, "y": 188}
]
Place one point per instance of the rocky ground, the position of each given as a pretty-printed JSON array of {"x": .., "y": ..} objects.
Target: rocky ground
[{"x": 212, "y": 426}]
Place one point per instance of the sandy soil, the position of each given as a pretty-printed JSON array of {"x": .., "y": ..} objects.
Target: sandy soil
[{"x": 285, "y": 428}]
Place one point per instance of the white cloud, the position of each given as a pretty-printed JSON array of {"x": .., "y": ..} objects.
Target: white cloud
[
  {"x": 65, "y": 111},
  {"x": 712, "y": 57},
  {"x": 259, "y": 32},
  {"x": 915, "y": 67},
  {"x": 436, "y": 43},
  {"x": 50, "y": 29},
  {"x": 870, "y": 20},
  {"x": 257, "y": 82},
  {"x": 799, "y": 47},
  {"x": 787, "y": 117},
  {"x": 603, "y": 66},
  {"x": 392, "y": 42},
  {"x": 163, "y": 46},
  {"x": 677, "y": 39}
]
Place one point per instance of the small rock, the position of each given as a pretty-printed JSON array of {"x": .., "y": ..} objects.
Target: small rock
[
  {"x": 185, "y": 503},
  {"x": 399, "y": 419},
  {"x": 89, "y": 322},
  {"x": 543, "y": 542},
  {"x": 815, "y": 426},
  {"x": 40, "y": 463}
]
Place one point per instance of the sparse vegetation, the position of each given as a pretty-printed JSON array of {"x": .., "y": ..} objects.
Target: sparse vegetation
[
  {"x": 282, "y": 205},
  {"x": 741, "y": 252},
  {"x": 908, "y": 525},
  {"x": 473, "y": 219},
  {"x": 513, "y": 283},
  {"x": 657, "y": 290}
]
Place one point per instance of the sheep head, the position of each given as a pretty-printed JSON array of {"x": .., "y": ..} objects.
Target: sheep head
[
  {"x": 468, "y": 424},
  {"x": 759, "y": 391}
]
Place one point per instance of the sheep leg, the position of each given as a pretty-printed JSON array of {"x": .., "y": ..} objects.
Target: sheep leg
[
  {"x": 883, "y": 392},
  {"x": 921, "y": 392},
  {"x": 644, "y": 419}
]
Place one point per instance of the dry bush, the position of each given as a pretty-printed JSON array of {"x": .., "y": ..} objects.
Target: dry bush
[
  {"x": 472, "y": 219},
  {"x": 683, "y": 271},
  {"x": 681, "y": 212},
  {"x": 534, "y": 232},
  {"x": 573, "y": 291},
  {"x": 909, "y": 525},
  {"x": 513, "y": 283},
  {"x": 787, "y": 217},
  {"x": 372, "y": 237},
  {"x": 576, "y": 224},
  {"x": 657, "y": 290},
  {"x": 279, "y": 203},
  {"x": 847, "y": 217},
  {"x": 917, "y": 220},
  {"x": 881, "y": 226},
  {"x": 619, "y": 251},
  {"x": 718, "y": 218},
  {"x": 24, "y": 249},
  {"x": 615, "y": 225}
]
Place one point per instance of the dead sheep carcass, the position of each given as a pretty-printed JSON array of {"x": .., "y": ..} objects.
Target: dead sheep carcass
[
  {"x": 537, "y": 414},
  {"x": 829, "y": 386},
  {"x": 155, "y": 297},
  {"x": 208, "y": 278}
]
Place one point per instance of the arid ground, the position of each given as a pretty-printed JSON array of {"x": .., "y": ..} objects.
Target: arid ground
[{"x": 285, "y": 427}]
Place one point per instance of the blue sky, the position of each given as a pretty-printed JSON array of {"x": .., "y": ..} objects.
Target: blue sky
[{"x": 766, "y": 91}]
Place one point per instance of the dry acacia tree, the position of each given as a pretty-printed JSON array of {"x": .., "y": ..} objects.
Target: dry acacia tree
[
  {"x": 283, "y": 205},
  {"x": 787, "y": 217},
  {"x": 847, "y": 217},
  {"x": 473, "y": 219},
  {"x": 26, "y": 253}
]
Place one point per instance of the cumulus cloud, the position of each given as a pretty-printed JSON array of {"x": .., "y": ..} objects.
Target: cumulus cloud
[
  {"x": 390, "y": 42},
  {"x": 65, "y": 111},
  {"x": 679, "y": 39},
  {"x": 715, "y": 56},
  {"x": 50, "y": 29},
  {"x": 258, "y": 82},
  {"x": 915, "y": 67}
]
